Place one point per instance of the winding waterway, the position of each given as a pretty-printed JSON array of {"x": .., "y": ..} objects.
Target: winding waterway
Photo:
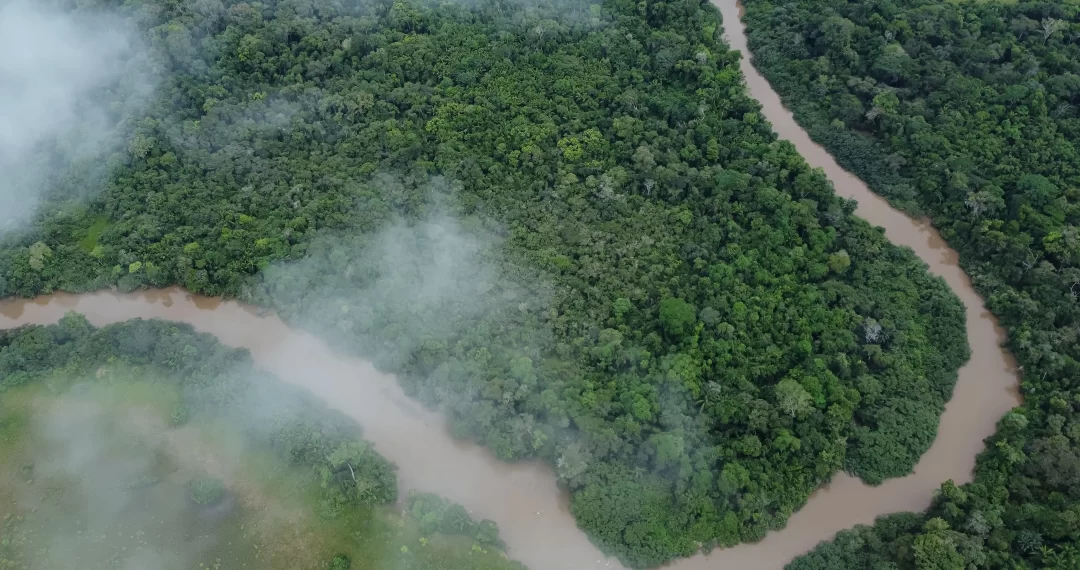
[{"x": 532, "y": 514}]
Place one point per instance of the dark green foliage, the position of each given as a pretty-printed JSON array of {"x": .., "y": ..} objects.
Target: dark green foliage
[
  {"x": 352, "y": 473},
  {"x": 436, "y": 514},
  {"x": 206, "y": 490},
  {"x": 866, "y": 547},
  {"x": 965, "y": 111},
  {"x": 1021, "y": 511},
  {"x": 656, "y": 295},
  {"x": 677, "y": 317},
  {"x": 977, "y": 128}
]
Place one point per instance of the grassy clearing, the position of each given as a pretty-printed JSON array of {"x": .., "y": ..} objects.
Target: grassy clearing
[
  {"x": 95, "y": 472},
  {"x": 90, "y": 241}
]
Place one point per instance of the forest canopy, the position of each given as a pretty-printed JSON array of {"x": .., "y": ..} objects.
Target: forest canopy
[
  {"x": 966, "y": 112},
  {"x": 567, "y": 225}
]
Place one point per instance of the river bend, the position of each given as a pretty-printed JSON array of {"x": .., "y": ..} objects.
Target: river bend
[{"x": 532, "y": 514}]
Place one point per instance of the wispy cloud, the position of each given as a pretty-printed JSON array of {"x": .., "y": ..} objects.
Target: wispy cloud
[{"x": 68, "y": 81}]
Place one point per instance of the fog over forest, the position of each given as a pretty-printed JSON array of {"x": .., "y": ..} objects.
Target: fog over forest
[
  {"x": 568, "y": 227},
  {"x": 68, "y": 81}
]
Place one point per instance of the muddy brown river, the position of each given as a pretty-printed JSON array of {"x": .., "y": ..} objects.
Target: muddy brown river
[{"x": 532, "y": 513}]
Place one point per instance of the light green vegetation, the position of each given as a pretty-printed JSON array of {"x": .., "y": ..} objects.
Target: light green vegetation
[
  {"x": 95, "y": 472},
  {"x": 90, "y": 241}
]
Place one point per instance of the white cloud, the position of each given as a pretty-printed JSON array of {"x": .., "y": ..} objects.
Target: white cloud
[{"x": 67, "y": 81}]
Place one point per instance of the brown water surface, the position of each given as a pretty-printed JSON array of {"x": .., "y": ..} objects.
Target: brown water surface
[{"x": 522, "y": 498}]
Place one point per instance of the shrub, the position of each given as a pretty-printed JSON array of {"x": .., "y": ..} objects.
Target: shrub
[{"x": 206, "y": 490}]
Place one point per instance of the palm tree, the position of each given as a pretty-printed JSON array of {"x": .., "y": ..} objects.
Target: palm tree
[{"x": 710, "y": 394}]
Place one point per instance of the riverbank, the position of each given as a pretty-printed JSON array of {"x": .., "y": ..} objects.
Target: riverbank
[
  {"x": 146, "y": 445},
  {"x": 532, "y": 513},
  {"x": 523, "y": 498}
]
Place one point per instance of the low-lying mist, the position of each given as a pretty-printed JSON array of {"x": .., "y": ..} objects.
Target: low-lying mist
[
  {"x": 421, "y": 280},
  {"x": 69, "y": 79},
  {"x": 100, "y": 490}
]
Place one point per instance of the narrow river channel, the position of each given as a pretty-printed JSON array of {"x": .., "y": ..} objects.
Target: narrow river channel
[{"x": 531, "y": 512}]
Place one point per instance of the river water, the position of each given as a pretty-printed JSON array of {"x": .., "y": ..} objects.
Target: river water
[{"x": 532, "y": 514}]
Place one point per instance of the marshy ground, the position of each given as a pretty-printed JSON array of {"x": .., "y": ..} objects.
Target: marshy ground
[{"x": 97, "y": 473}]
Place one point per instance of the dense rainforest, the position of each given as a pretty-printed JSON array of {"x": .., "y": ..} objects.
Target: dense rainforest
[
  {"x": 567, "y": 225},
  {"x": 201, "y": 383},
  {"x": 966, "y": 112}
]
